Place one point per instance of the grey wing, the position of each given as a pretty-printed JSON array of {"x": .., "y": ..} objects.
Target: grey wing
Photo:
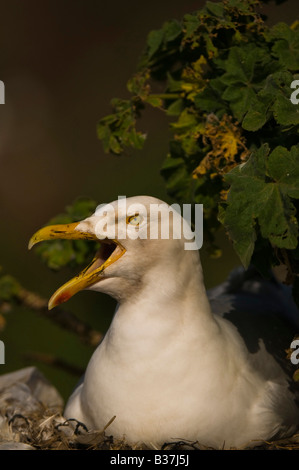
[{"x": 261, "y": 309}]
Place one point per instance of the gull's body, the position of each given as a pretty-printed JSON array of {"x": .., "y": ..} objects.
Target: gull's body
[{"x": 169, "y": 368}]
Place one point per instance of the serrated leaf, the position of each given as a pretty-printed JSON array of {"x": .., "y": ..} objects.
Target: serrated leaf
[
  {"x": 276, "y": 217},
  {"x": 239, "y": 66},
  {"x": 241, "y": 233},
  {"x": 288, "y": 54},
  {"x": 243, "y": 7},
  {"x": 285, "y": 112},
  {"x": 191, "y": 23},
  {"x": 286, "y": 46},
  {"x": 247, "y": 65},
  {"x": 257, "y": 114},
  {"x": 208, "y": 100},
  {"x": 247, "y": 76},
  {"x": 239, "y": 98},
  {"x": 279, "y": 31},
  {"x": 255, "y": 198},
  {"x": 283, "y": 166},
  {"x": 216, "y": 9}
]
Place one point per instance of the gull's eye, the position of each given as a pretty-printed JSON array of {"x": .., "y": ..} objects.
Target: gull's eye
[{"x": 134, "y": 220}]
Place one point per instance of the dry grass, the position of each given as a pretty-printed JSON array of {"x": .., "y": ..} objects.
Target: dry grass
[{"x": 46, "y": 430}]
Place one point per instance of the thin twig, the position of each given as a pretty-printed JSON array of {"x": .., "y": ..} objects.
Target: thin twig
[
  {"x": 61, "y": 317},
  {"x": 54, "y": 361}
]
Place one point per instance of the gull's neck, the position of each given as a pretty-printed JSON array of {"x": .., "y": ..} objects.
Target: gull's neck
[{"x": 168, "y": 303}]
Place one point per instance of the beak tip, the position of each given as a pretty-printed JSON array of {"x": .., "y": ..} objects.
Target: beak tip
[
  {"x": 33, "y": 241},
  {"x": 52, "y": 304},
  {"x": 58, "y": 298}
]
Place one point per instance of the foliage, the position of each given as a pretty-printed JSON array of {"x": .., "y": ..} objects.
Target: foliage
[
  {"x": 57, "y": 254},
  {"x": 223, "y": 77}
]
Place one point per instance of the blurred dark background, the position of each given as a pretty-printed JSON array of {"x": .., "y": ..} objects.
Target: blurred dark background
[{"x": 62, "y": 61}]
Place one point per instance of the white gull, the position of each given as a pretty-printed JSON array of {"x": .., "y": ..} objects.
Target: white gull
[{"x": 169, "y": 368}]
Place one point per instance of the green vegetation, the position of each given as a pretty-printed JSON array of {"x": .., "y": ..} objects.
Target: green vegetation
[{"x": 223, "y": 77}]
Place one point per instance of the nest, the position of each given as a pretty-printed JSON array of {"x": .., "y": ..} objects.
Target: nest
[
  {"x": 44, "y": 430},
  {"x": 31, "y": 418}
]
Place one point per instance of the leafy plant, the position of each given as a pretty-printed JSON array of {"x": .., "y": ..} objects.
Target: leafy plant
[
  {"x": 57, "y": 254},
  {"x": 223, "y": 77}
]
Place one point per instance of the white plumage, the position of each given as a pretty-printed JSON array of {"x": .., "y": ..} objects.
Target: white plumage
[{"x": 168, "y": 368}]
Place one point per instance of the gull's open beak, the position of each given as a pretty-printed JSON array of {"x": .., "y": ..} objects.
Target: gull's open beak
[{"x": 109, "y": 252}]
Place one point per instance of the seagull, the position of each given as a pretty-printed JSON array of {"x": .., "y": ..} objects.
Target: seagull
[{"x": 177, "y": 364}]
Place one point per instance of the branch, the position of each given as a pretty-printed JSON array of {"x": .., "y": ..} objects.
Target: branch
[
  {"x": 63, "y": 318},
  {"x": 54, "y": 361},
  {"x": 11, "y": 291}
]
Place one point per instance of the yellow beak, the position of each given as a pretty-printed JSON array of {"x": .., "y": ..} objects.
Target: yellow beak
[
  {"x": 62, "y": 231},
  {"x": 109, "y": 252}
]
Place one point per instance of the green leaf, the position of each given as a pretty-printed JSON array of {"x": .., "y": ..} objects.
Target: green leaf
[
  {"x": 104, "y": 133},
  {"x": 239, "y": 98},
  {"x": 172, "y": 84},
  {"x": 118, "y": 130},
  {"x": 138, "y": 83},
  {"x": 285, "y": 112},
  {"x": 136, "y": 139},
  {"x": 154, "y": 101},
  {"x": 283, "y": 167},
  {"x": 288, "y": 54},
  {"x": 255, "y": 198},
  {"x": 240, "y": 65},
  {"x": 279, "y": 31},
  {"x": 186, "y": 120},
  {"x": 286, "y": 46},
  {"x": 179, "y": 183},
  {"x": 9, "y": 288},
  {"x": 241, "y": 6},
  {"x": 247, "y": 72},
  {"x": 81, "y": 208},
  {"x": 57, "y": 254},
  {"x": 277, "y": 217},
  {"x": 114, "y": 145},
  {"x": 216, "y": 9},
  {"x": 154, "y": 41},
  {"x": 211, "y": 49},
  {"x": 175, "y": 108},
  {"x": 257, "y": 114},
  {"x": 191, "y": 24},
  {"x": 172, "y": 29},
  {"x": 208, "y": 100}
]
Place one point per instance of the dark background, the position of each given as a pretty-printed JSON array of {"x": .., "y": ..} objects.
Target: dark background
[{"x": 62, "y": 61}]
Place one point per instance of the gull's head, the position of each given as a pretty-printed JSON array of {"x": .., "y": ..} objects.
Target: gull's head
[{"x": 135, "y": 236}]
